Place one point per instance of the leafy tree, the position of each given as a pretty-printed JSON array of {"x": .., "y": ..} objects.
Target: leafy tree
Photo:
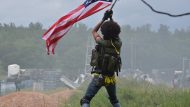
[
  {"x": 37, "y": 26},
  {"x": 164, "y": 30}
]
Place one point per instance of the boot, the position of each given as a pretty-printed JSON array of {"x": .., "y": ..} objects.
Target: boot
[
  {"x": 85, "y": 105},
  {"x": 116, "y": 105}
]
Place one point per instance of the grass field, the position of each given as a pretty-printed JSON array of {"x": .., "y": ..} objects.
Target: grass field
[{"x": 136, "y": 94}]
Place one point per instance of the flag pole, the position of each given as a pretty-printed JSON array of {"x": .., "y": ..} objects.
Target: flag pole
[{"x": 113, "y": 4}]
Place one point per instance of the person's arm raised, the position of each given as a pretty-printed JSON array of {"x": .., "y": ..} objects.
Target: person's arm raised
[
  {"x": 95, "y": 31},
  {"x": 107, "y": 14}
]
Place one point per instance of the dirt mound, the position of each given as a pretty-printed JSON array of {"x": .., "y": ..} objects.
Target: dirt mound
[
  {"x": 34, "y": 99},
  {"x": 63, "y": 96}
]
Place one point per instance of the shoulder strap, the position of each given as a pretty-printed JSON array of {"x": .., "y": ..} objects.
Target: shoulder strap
[{"x": 117, "y": 51}]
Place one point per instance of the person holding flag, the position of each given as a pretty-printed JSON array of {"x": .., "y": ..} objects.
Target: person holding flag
[
  {"x": 105, "y": 60},
  {"x": 108, "y": 49}
]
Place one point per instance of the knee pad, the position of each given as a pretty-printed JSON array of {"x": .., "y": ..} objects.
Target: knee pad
[
  {"x": 85, "y": 105},
  {"x": 116, "y": 105},
  {"x": 113, "y": 101},
  {"x": 84, "y": 100}
]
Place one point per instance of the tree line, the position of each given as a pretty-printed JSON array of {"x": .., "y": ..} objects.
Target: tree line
[{"x": 142, "y": 48}]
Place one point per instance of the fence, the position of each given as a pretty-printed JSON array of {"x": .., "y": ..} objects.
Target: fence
[{"x": 7, "y": 87}]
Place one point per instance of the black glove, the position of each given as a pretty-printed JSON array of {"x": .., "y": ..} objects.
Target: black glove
[
  {"x": 107, "y": 14},
  {"x": 111, "y": 14}
]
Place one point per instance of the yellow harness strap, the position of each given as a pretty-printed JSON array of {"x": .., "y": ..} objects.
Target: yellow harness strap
[
  {"x": 117, "y": 51},
  {"x": 109, "y": 80}
]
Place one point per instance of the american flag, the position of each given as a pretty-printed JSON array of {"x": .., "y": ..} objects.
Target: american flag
[{"x": 64, "y": 24}]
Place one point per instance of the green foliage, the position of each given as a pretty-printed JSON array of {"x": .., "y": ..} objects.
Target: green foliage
[
  {"x": 146, "y": 48},
  {"x": 2, "y": 71},
  {"x": 24, "y": 46},
  {"x": 133, "y": 94},
  {"x": 149, "y": 49}
]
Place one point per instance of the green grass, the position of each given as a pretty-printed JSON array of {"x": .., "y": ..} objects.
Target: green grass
[{"x": 134, "y": 94}]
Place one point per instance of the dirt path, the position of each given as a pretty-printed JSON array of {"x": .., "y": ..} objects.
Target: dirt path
[
  {"x": 63, "y": 96},
  {"x": 35, "y": 99}
]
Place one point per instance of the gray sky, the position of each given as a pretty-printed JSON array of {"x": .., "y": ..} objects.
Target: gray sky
[{"x": 132, "y": 12}]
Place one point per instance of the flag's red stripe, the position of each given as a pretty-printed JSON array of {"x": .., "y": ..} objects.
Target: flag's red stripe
[
  {"x": 70, "y": 23},
  {"x": 63, "y": 18},
  {"x": 90, "y": 12},
  {"x": 99, "y": 9},
  {"x": 56, "y": 38}
]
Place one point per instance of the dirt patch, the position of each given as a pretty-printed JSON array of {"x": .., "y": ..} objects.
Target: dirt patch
[
  {"x": 35, "y": 99},
  {"x": 63, "y": 96}
]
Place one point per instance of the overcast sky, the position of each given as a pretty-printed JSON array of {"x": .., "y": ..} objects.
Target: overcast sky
[{"x": 132, "y": 12}]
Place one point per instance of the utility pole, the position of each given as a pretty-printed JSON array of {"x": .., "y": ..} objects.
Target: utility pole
[
  {"x": 0, "y": 87},
  {"x": 185, "y": 67},
  {"x": 133, "y": 53},
  {"x": 185, "y": 64}
]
